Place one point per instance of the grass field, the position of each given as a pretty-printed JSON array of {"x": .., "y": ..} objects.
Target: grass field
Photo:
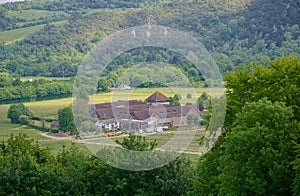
[
  {"x": 49, "y": 108},
  {"x": 9, "y": 37},
  {"x": 27, "y": 78},
  {"x": 32, "y": 14}
]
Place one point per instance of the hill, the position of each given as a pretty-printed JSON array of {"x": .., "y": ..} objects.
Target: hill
[{"x": 235, "y": 32}]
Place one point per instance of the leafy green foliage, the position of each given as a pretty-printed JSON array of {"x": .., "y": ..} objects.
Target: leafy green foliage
[
  {"x": 97, "y": 37},
  {"x": 175, "y": 100},
  {"x": 5, "y": 79},
  {"x": 296, "y": 167},
  {"x": 102, "y": 85},
  {"x": 280, "y": 83},
  {"x": 23, "y": 119},
  {"x": 15, "y": 111},
  {"x": 66, "y": 121},
  {"x": 189, "y": 96},
  {"x": 255, "y": 156},
  {"x": 235, "y": 35},
  {"x": 172, "y": 177},
  {"x": 26, "y": 168},
  {"x": 203, "y": 98},
  {"x": 137, "y": 143},
  {"x": 19, "y": 91},
  {"x": 259, "y": 151},
  {"x": 255, "y": 153}
]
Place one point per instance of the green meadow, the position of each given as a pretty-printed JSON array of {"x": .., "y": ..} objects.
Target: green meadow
[
  {"x": 27, "y": 78},
  {"x": 9, "y": 37}
]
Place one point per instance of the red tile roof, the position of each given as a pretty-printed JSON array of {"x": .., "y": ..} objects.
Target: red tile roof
[
  {"x": 140, "y": 110},
  {"x": 157, "y": 97},
  {"x": 140, "y": 115}
]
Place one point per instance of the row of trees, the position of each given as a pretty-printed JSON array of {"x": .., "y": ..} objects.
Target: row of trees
[
  {"x": 75, "y": 5},
  {"x": 37, "y": 90},
  {"x": 150, "y": 75}
]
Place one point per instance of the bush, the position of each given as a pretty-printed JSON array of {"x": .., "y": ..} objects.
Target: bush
[
  {"x": 66, "y": 121},
  {"x": 32, "y": 125},
  {"x": 35, "y": 118},
  {"x": 31, "y": 113},
  {"x": 23, "y": 119},
  {"x": 15, "y": 111},
  {"x": 189, "y": 96}
]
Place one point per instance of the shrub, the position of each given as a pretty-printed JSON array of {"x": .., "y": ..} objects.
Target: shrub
[
  {"x": 15, "y": 111},
  {"x": 23, "y": 119}
]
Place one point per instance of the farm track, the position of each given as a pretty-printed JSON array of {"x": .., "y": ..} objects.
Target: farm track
[{"x": 193, "y": 148}]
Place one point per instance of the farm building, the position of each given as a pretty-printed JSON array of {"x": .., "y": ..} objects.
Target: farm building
[{"x": 136, "y": 116}]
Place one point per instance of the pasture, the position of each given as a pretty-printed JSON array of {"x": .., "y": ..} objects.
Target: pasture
[
  {"x": 9, "y": 37},
  {"x": 27, "y": 78}
]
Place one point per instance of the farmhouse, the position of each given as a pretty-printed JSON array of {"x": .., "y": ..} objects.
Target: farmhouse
[
  {"x": 152, "y": 115},
  {"x": 121, "y": 87}
]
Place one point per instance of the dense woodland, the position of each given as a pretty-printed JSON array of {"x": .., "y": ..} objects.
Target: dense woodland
[
  {"x": 234, "y": 34},
  {"x": 256, "y": 45}
]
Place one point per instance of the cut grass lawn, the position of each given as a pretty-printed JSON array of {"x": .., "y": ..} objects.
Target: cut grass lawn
[
  {"x": 27, "y": 78},
  {"x": 9, "y": 37}
]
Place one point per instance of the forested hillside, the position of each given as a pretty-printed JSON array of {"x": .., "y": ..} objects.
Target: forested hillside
[{"x": 235, "y": 32}]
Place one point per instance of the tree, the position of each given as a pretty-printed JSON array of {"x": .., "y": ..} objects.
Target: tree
[
  {"x": 23, "y": 119},
  {"x": 66, "y": 121},
  {"x": 189, "y": 96},
  {"x": 255, "y": 155},
  {"x": 259, "y": 150},
  {"x": 204, "y": 96},
  {"x": 138, "y": 143},
  {"x": 17, "y": 82},
  {"x": 278, "y": 81},
  {"x": 15, "y": 111},
  {"x": 296, "y": 167},
  {"x": 255, "y": 152},
  {"x": 173, "y": 177},
  {"x": 204, "y": 99},
  {"x": 175, "y": 100},
  {"x": 97, "y": 37},
  {"x": 5, "y": 79},
  {"x": 102, "y": 85}
]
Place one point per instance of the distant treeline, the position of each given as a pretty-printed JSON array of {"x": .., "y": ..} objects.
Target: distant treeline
[
  {"x": 73, "y": 5},
  {"x": 35, "y": 91}
]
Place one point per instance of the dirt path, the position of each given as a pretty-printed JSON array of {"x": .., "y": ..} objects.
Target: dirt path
[{"x": 70, "y": 138}]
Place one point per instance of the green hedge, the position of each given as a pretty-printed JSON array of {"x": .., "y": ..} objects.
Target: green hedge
[{"x": 44, "y": 129}]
